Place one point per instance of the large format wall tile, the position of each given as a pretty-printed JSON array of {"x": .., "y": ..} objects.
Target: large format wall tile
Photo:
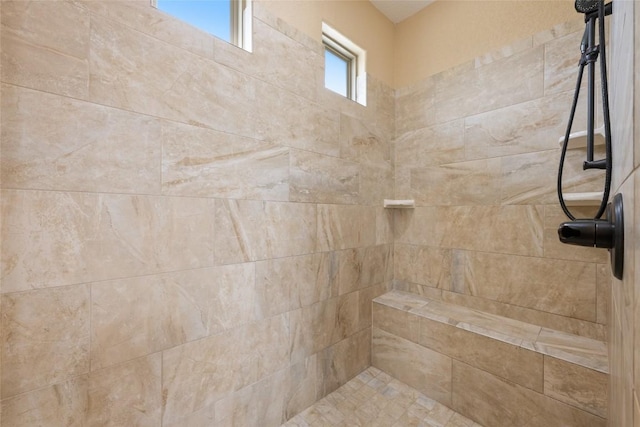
[
  {"x": 507, "y": 361},
  {"x": 323, "y": 179},
  {"x": 202, "y": 162},
  {"x": 561, "y": 59},
  {"x": 63, "y": 404},
  {"x": 578, "y": 386},
  {"x": 142, "y": 17},
  {"x": 423, "y": 265},
  {"x": 249, "y": 230},
  {"x": 421, "y": 368},
  {"x": 82, "y": 147},
  {"x": 135, "y": 317},
  {"x": 65, "y": 238},
  {"x": 465, "y": 183},
  {"x": 503, "y": 229},
  {"x": 491, "y": 401},
  {"x": 286, "y": 284},
  {"x": 563, "y": 287},
  {"x": 429, "y": 146},
  {"x": 359, "y": 142},
  {"x": 344, "y": 360},
  {"x": 522, "y": 128},
  {"x": 342, "y": 227},
  {"x": 45, "y": 337},
  {"x": 127, "y": 394},
  {"x": 197, "y": 374},
  {"x": 515, "y": 79},
  {"x": 135, "y": 72},
  {"x": 45, "y": 45}
]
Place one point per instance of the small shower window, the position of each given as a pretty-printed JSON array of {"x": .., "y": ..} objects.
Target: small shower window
[
  {"x": 229, "y": 20},
  {"x": 344, "y": 66}
]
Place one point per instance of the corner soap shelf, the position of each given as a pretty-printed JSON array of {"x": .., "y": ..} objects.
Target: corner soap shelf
[
  {"x": 579, "y": 139},
  {"x": 399, "y": 204}
]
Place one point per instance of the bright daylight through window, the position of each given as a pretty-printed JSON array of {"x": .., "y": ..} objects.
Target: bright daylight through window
[
  {"x": 344, "y": 66},
  {"x": 229, "y": 20}
]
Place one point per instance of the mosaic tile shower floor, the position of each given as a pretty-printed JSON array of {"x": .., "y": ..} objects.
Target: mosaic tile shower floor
[{"x": 375, "y": 399}]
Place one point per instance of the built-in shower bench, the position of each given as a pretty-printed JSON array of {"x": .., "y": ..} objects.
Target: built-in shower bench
[{"x": 495, "y": 370}]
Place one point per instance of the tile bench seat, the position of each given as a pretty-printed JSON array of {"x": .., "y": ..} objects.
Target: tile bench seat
[{"x": 495, "y": 370}]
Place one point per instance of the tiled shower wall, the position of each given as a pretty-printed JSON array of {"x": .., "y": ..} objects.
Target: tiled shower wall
[
  {"x": 192, "y": 234},
  {"x": 624, "y": 318},
  {"x": 477, "y": 148}
]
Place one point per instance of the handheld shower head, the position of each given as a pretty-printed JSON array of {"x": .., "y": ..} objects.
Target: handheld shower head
[{"x": 586, "y": 6}]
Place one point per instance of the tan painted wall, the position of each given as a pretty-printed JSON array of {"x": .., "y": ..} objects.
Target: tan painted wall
[
  {"x": 445, "y": 34},
  {"x": 448, "y": 33},
  {"x": 359, "y": 20}
]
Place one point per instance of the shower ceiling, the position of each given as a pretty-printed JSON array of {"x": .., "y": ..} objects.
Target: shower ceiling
[{"x": 399, "y": 10}]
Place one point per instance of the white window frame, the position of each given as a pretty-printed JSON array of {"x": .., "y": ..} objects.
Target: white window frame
[
  {"x": 241, "y": 23},
  {"x": 356, "y": 58}
]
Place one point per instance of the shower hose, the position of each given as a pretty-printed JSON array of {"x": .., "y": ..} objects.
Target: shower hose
[{"x": 588, "y": 56}]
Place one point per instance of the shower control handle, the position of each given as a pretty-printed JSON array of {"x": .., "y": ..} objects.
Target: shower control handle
[
  {"x": 600, "y": 233},
  {"x": 596, "y": 233}
]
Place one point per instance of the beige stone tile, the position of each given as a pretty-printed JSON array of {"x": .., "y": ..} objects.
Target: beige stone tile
[
  {"x": 351, "y": 269},
  {"x": 293, "y": 121},
  {"x": 562, "y": 287},
  {"x": 528, "y": 315},
  {"x": 45, "y": 337},
  {"x": 490, "y": 401},
  {"x": 88, "y": 147},
  {"x": 377, "y": 265},
  {"x": 289, "y": 283},
  {"x": 415, "y": 106},
  {"x": 65, "y": 238},
  {"x": 531, "y": 178},
  {"x": 197, "y": 374},
  {"x": 202, "y": 162},
  {"x": 512, "y": 80},
  {"x": 156, "y": 23},
  {"x": 423, "y": 265},
  {"x": 312, "y": 328},
  {"x": 166, "y": 81},
  {"x": 490, "y": 325},
  {"x": 347, "y": 321},
  {"x": 561, "y": 58},
  {"x": 344, "y": 360},
  {"x": 402, "y": 300},
  {"x": 64, "y": 403},
  {"x": 502, "y": 229},
  {"x": 343, "y": 227},
  {"x": 135, "y": 317},
  {"x": 302, "y": 386},
  {"x": 465, "y": 183},
  {"x": 360, "y": 142},
  {"x": 260, "y": 404},
  {"x": 430, "y": 146},
  {"x": 604, "y": 281},
  {"x": 507, "y": 361},
  {"x": 127, "y": 394},
  {"x": 376, "y": 183},
  {"x": 270, "y": 344},
  {"x": 522, "y": 128},
  {"x": 249, "y": 230},
  {"x": 323, "y": 179},
  {"x": 205, "y": 416},
  {"x": 577, "y": 386},
  {"x": 396, "y": 322},
  {"x": 384, "y": 226},
  {"x": 365, "y": 304},
  {"x": 571, "y": 348},
  {"x": 276, "y": 58},
  {"x": 46, "y": 47},
  {"x": 427, "y": 371}
]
